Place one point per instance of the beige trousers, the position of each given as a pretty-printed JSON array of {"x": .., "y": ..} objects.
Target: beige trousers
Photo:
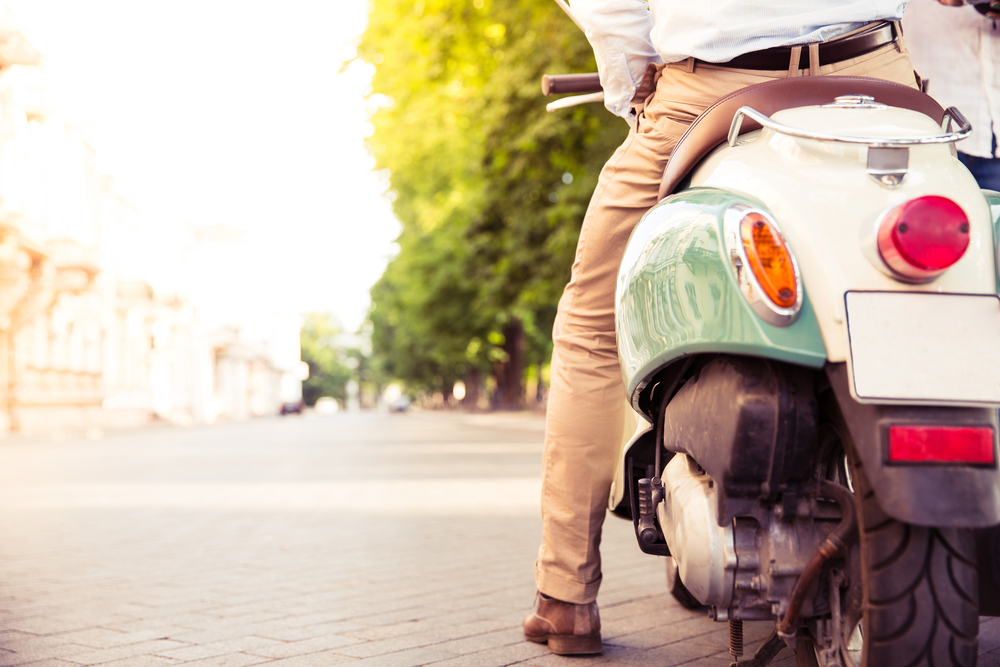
[{"x": 587, "y": 399}]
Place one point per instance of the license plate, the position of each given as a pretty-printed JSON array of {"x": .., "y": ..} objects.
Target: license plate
[{"x": 926, "y": 348}]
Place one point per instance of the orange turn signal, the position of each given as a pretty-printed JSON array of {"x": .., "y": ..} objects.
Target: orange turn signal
[{"x": 769, "y": 260}]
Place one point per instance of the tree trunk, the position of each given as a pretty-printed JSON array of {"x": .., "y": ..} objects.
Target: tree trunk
[
  {"x": 510, "y": 374},
  {"x": 541, "y": 394},
  {"x": 473, "y": 378}
]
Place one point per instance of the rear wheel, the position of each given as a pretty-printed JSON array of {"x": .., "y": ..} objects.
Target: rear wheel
[
  {"x": 917, "y": 603},
  {"x": 921, "y": 593}
]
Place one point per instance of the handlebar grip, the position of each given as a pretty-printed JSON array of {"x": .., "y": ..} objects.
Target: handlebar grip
[{"x": 560, "y": 84}]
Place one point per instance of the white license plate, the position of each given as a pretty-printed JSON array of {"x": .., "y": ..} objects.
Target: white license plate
[{"x": 928, "y": 348}]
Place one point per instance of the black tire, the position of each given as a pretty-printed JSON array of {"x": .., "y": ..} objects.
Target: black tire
[
  {"x": 678, "y": 589},
  {"x": 920, "y": 589}
]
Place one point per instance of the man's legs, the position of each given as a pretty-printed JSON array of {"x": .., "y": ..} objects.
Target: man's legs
[
  {"x": 586, "y": 405},
  {"x": 586, "y": 398},
  {"x": 586, "y": 401}
]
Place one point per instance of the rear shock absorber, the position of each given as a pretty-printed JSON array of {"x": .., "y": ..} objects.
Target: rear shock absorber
[
  {"x": 736, "y": 638},
  {"x": 648, "y": 532}
]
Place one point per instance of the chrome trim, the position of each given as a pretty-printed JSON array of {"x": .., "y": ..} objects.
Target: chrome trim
[
  {"x": 964, "y": 130},
  {"x": 855, "y": 102},
  {"x": 766, "y": 309},
  {"x": 868, "y": 241},
  {"x": 888, "y": 166},
  {"x": 574, "y": 100}
]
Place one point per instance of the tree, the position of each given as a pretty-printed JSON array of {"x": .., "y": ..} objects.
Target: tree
[
  {"x": 329, "y": 365},
  {"x": 490, "y": 188}
]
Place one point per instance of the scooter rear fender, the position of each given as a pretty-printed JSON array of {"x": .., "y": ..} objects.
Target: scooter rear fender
[
  {"x": 678, "y": 295},
  {"x": 955, "y": 496},
  {"x": 763, "y": 425}
]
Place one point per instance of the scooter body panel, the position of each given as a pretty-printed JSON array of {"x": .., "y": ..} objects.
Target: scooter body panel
[
  {"x": 678, "y": 294},
  {"x": 993, "y": 201},
  {"x": 828, "y": 207}
]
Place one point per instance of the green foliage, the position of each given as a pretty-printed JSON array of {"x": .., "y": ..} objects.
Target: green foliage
[
  {"x": 491, "y": 189},
  {"x": 329, "y": 361}
]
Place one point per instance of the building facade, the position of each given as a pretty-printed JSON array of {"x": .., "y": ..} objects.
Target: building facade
[{"x": 87, "y": 340}]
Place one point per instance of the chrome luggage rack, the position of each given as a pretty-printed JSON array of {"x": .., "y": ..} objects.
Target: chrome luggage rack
[{"x": 888, "y": 158}]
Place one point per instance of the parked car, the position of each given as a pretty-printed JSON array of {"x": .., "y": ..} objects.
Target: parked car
[
  {"x": 292, "y": 408},
  {"x": 401, "y": 404}
]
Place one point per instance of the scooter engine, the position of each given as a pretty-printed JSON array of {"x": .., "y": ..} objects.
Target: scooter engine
[{"x": 747, "y": 568}]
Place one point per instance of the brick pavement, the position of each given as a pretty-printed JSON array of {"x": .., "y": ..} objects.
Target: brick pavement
[{"x": 364, "y": 539}]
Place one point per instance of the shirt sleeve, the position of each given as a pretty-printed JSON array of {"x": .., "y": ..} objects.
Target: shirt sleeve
[{"x": 619, "y": 32}]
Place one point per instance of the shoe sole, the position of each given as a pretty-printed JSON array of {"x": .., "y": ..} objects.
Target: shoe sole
[{"x": 570, "y": 644}]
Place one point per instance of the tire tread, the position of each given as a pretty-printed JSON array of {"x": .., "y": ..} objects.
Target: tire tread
[{"x": 921, "y": 594}]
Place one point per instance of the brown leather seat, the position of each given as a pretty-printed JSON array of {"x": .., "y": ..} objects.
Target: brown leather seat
[{"x": 711, "y": 128}]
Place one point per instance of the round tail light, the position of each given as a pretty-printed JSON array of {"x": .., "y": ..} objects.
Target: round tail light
[{"x": 920, "y": 239}]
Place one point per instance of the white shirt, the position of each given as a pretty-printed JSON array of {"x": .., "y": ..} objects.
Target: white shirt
[
  {"x": 627, "y": 35},
  {"x": 957, "y": 50}
]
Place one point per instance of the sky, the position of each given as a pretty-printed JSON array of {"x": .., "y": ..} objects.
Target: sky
[{"x": 235, "y": 113}]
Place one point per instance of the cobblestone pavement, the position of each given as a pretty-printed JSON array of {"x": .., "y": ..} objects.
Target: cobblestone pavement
[{"x": 382, "y": 541}]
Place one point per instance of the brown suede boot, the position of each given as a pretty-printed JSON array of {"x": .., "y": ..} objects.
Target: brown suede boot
[{"x": 568, "y": 629}]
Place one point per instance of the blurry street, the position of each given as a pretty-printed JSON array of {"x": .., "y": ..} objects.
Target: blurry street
[{"x": 390, "y": 540}]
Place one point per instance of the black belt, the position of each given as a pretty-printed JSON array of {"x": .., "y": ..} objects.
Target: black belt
[{"x": 834, "y": 51}]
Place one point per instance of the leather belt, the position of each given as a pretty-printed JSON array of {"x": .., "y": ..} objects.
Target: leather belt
[{"x": 833, "y": 51}]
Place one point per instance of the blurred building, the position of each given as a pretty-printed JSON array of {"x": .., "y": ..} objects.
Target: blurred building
[{"x": 86, "y": 339}]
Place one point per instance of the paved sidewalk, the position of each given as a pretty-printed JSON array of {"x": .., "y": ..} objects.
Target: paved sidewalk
[{"x": 375, "y": 540}]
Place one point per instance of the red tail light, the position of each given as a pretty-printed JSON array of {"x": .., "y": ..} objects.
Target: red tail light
[
  {"x": 941, "y": 444},
  {"x": 920, "y": 239}
]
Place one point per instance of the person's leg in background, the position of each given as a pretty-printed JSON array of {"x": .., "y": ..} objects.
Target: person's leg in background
[{"x": 985, "y": 169}]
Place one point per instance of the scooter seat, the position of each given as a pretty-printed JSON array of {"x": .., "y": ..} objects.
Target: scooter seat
[{"x": 711, "y": 128}]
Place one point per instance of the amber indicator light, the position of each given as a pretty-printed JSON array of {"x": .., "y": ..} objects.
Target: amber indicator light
[{"x": 769, "y": 260}]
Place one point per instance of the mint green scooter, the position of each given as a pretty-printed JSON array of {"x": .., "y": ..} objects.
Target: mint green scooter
[{"x": 809, "y": 332}]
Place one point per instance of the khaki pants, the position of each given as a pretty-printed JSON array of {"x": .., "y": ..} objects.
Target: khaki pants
[{"x": 587, "y": 399}]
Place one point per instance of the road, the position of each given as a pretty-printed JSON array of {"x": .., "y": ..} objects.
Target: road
[{"x": 370, "y": 539}]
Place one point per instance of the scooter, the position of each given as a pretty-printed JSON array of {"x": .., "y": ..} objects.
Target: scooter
[{"x": 808, "y": 324}]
